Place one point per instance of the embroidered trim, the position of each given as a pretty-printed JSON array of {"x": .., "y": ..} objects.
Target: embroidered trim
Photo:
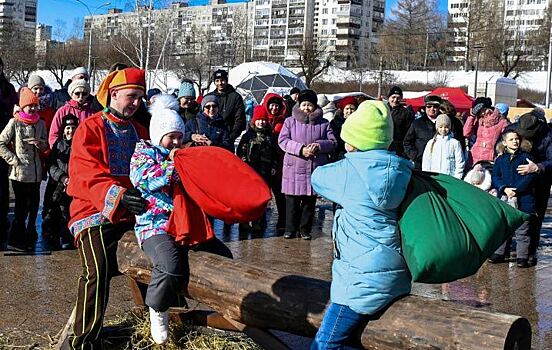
[
  {"x": 82, "y": 224},
  {"x": 110, "y": 199},
  {"x": 121, "y": 140}
]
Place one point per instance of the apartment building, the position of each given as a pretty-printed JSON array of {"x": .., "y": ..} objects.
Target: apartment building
[
  {"x": 347, "y": 27},
  {"x": 273, "y": 30},
  {"x": 519, "y": 16},
  {"x": 219, "y": 28},
  {"x": 17, "y": 14},
  {"x": 342, "y": 28}
]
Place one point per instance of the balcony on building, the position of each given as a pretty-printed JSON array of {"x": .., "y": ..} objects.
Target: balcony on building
[{"x": 279, "y": 3}]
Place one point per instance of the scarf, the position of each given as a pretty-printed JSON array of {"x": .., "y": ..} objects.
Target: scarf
[
  {"x": 28, "y": 119},
  {"x": 490, "y": 119}
]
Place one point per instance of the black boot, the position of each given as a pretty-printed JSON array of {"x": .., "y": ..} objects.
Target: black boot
[
  {"x": 522, "y": 263},
  {"x": 289, "y": 235},
  {"x": 496, "y": 259}
]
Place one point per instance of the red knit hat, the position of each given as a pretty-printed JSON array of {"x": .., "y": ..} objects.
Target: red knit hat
[
  {"x": 27, "y": 98},
  {"x": 347, "y": 100},
  {"x": 259, "y": 113}
]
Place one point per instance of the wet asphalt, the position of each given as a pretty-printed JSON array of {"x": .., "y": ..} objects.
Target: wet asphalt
[{"x": 37, "y": 290}]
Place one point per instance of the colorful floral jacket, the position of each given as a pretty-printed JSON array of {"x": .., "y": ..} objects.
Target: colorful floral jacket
[{"x": 152, "y": 173}]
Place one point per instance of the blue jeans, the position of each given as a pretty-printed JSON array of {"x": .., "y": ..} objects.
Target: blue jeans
[{"x": 338, "y": 324}]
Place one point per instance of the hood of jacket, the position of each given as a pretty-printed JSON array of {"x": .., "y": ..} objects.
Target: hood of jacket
[
  {"x": 384, "y": 176},
  {"x": 302, "y": 117},
  {"x": 281, "y": 101}
]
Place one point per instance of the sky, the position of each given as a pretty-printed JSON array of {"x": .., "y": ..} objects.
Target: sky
[{"x": 55, "y": 12}]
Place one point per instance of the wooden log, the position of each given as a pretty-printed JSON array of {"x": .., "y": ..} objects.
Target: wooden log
[{"x": 295, "y": 304}]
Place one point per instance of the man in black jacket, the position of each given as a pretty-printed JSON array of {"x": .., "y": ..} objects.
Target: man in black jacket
[
  {"x": 231, "y": 105},
  {"x": 534, "y": 129},
  {"x": 423, "y": 129},
  {"x": 403, "y": 117}
]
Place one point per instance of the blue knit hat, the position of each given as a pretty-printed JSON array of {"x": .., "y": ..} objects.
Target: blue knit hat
[
  {"x": 186, "y": 90},
  {"x": 503, "y": 108}
]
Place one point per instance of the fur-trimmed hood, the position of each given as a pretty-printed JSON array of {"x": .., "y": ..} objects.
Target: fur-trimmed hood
[
  {"x": 524, "y": 146},
  {"x": 311, "y": 118}
]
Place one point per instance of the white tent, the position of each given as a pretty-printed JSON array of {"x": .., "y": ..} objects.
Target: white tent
[{"x": 257, "y": 78}]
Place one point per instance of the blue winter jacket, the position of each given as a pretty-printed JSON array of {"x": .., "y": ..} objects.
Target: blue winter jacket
[
  {"x": 505, "y": 175},
  {"x": 368, "y": 270},
  {"x": 213, "y": 128}
]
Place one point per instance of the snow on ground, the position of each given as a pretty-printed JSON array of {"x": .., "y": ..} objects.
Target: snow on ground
[{"x": 529, "y": 80}]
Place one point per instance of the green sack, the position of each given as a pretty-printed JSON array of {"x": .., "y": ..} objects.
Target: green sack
[{"x": 450, "y": 227}]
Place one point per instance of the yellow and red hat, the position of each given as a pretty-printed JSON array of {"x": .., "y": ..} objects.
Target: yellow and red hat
[{"x": 128, "y": 78}]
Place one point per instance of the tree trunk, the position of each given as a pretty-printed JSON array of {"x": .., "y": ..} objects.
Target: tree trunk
[{"x": 295, "y": 304}]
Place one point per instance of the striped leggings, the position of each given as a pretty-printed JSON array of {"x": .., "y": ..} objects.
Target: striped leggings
[{"x": 97, "y": 249}]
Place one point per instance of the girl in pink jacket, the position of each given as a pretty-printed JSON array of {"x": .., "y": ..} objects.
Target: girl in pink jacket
[
  {"x": 487, "y": 124},
  {"x": 79, "y": 105}
]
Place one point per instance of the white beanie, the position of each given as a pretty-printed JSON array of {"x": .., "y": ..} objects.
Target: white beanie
[
  {"x": 164, "y": 118},
  {"x": 79, "y": 70},
  {"x": 78, "y": 84}
]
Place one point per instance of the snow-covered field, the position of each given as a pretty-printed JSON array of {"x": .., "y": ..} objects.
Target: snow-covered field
[{"x": 530, "y": 80}]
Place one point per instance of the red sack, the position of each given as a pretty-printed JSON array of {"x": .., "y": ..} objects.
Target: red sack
[
  {"x": 222, "y": 184},
  {"x": 188, "y": 224}
]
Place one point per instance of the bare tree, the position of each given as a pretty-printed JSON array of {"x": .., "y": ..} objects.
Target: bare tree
[
  {"x": 195, "y": 59},
  {"x": 21, "y": 60},
  {"x": 313, "y": 60},
  {"x": 409, "y": 39},
  {"x": 65, "y": 56},
  {"x": 143, "y": 36}
]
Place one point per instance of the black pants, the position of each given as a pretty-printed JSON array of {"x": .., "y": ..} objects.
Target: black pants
[
  {"x": 27, "y": 198},
  {"x": 542, "y": 193},
  {"x": 49, "y": 224},
  {"x": 171, "y": 270},
  {"x": 280, "y": 200},
  {"x": 97, "y": 250},
  {"x": 4, "y": 201},
  {"x": 300, "y": 213}
]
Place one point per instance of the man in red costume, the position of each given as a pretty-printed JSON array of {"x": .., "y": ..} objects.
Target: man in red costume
[{"x": 104, "y": 200}]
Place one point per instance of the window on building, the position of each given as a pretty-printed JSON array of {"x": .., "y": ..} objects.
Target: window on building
[
  {"x": 325, "y": 11},
  {"x": 325, "y": 21}
]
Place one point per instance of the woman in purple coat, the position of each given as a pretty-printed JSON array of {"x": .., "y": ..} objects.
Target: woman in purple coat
[{"x": 308, "y": 140}]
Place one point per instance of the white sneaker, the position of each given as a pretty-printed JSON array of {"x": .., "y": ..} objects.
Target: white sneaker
[{"x": 159, "y": 325}]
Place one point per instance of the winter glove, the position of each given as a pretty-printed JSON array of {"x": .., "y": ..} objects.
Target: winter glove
[{"x": 132, "y": 200}]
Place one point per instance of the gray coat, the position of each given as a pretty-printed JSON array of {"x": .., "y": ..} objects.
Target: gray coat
[
  {"x": 300, "y": 130},
  {"x": 23, "y": 158}
]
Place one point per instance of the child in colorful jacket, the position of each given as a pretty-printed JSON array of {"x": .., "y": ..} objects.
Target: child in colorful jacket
[
  {"x": 152, "y": 172},
  {"x": 369, "y": 184}
]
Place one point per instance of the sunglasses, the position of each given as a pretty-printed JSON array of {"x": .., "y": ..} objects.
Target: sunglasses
[
  {"x": 79, "y": 94},
  {"x": 432, "y": 106},
  {"x": 210, "y": 106}
]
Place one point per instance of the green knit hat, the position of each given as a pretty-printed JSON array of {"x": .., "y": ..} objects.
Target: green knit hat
[{"x": 369, "y": 127}]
